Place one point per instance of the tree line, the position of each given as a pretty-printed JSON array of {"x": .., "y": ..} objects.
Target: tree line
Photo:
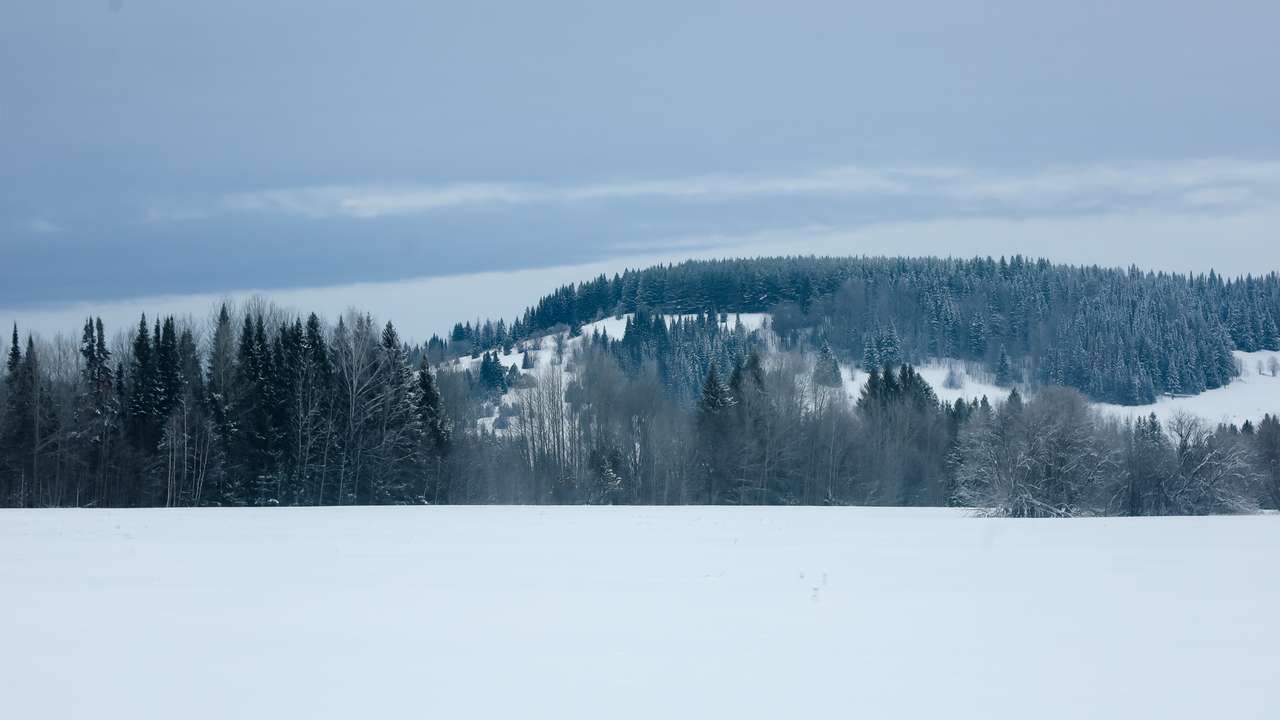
[
  {"x": 262, "y": 407},
  {"x": 1121, "y": 336}
]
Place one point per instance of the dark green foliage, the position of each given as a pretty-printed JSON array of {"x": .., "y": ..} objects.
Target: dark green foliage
[
  {"x": 1004, "y": 370},
  {"x": 1123, "y": 336},
  {"x": 492, "y": 377},
  {"x": 1267, "y": 446},
  {"x": 826, "y": 371},
  {"x": 684, "y": 406},
  {"x": 715, "y": 437},
  {"x": 29, "y": 421}
]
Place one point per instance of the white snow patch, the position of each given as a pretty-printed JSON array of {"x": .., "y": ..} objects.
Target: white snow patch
[
  {"x": 616, "y": 326},
  {"x": 974, "y": 383},
  {"x": 542, "y": 351},
  {"x": 1248, "y": 397},
  {"x": 491, "y": 612}
]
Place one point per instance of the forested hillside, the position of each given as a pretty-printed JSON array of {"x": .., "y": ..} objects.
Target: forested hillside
[
  {"x": 1118, "y": 336},
  {"x": 683, "y": 403}
]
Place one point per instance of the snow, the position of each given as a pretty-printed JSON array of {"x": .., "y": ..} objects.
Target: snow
[
  {"x": 634, "y": 613},
  {"x": 616, "y": 326},
  {"x": 543, "y": 350},
  {"x": 1247, "y": 397},
  {"x": 974, "y": 383}
]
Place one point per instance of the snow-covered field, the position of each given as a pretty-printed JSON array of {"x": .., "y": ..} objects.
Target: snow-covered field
[
  {"x": 1248, "y": 397},
  {"x": 479, "y": 612}
]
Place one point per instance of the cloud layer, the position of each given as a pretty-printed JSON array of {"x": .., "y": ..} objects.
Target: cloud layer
[
  {"x": 1234, "y": 244},
  {"x": 1198, "y": 184}
]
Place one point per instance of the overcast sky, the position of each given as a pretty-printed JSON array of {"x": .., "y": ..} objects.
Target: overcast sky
[{"x": 155, "y": 148}]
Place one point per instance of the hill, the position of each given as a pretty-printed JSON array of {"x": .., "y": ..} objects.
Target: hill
[
  {"x": 852, "y": 388},
  {"x": 1119, "y": 336}
]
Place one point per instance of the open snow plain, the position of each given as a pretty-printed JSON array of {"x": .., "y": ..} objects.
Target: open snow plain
[{"x": 476, "y": 612}]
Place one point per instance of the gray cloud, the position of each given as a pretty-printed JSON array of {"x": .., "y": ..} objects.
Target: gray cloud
[
  {"x": 1234, "y": 243},
  {"x": 206, "y": 147},
  {"x": 1198, "y": 183}
]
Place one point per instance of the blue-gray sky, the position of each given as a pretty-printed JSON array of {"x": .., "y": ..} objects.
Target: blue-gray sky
[{"x": 152, "y": 147}]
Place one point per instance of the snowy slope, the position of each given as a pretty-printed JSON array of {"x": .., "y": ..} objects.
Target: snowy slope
[
  {"x": 544, "y": 356},
  {"x": 497, "y": 612},
  {"x": 615, "y": 327},
  {"x": 1248, "y": 397},
  {"x": 974, "y": 384}
]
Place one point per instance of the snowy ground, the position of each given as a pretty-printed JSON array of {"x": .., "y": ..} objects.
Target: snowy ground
[
  {"x": 974, "y": 384},
  {"x": 636, "y": 613},
  {"x": 546, "y": 359},
  {"x": 1248, "y": 397}
]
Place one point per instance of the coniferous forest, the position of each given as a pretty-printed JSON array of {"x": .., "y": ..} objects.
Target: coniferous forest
[{"x": 262, "y": 406}]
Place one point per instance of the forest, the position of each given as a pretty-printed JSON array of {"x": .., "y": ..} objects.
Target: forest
[
  {"x": 261, "y": 406},
  {"x": 1122, "y": 336}
]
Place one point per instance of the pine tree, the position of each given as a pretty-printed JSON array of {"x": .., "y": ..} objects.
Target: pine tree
[
  {"x": 870, "y": 355},
  {"x": 827, "y": 371},
  {"x": 714, "y": 423},
  {"x": 431, "y": 411},
  {"x": 889, "y": 346},
  {"x": 15, "y": 353},
  {"x": 977, "y": 338},
  {"x": 435, "y": 432},
  {"x": 17, "y": 428},
  {"x": 397, "y": 438},
  {"x": 493, "y": 377},
  {"x": 144, "y": 401},
  {"x": 220, "y": 402},
  {"x": 168, "y": 370},
  {"x": 255, "y": 421},
  {"x": 95, "y": 415},
  {"x": 1004, "y": 370}
]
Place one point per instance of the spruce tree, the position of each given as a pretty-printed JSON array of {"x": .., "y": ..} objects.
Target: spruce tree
[
  {"x": 827, "y": 371},
  {"x": 144, "y": 425},
  {"x": 870, "y": 354},
  {"x": 714, "y": 434},
  {"x": 168, "y": 370},
  {"x": 15, "y": 428},
  {"x": 1004, "y": 370},
  {"x": 15, "y": 353}
]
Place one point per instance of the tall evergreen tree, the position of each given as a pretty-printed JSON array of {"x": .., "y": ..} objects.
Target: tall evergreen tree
[
  {"x": 1004, "y": 370},
  {"x": 144, "y": 392},
  {"x": 827, "y": 371}
]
